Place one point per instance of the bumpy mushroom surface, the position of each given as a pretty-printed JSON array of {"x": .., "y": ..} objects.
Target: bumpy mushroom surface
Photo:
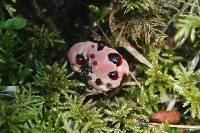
[{"x": 108, "y": 68}]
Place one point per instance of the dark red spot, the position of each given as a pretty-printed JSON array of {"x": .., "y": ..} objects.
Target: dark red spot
[
  {"x": 80, "y": 59},
  {"x": 124, "y": 78},
  {"x": 113, "y": 75},
  {"x": 100, "y": 47},
  {"x": 92, "y": 55},
  {"x": 92, "y": 46},
  {"x": 115, "y": 58},
  {"x": 94, "y": 63},
  {"x": 98, "y": 82}
]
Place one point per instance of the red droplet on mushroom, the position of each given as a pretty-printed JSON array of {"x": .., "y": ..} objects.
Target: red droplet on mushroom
[
  {"x": 115, "y": 58},
  {"x": 92, "y": 55},
  {"x": 113, "y": 75},
  {"x": 100, "y": 47},
  {"x": 79, "y": 59},
  {"x": 98, "y": 81},
  {"x": 94, "y": 63}
]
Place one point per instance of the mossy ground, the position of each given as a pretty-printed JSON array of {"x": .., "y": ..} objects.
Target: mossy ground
[{"x": 36, "y": 35}]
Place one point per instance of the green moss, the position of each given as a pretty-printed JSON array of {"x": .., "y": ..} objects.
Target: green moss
[{"x": 50, "y": 99}]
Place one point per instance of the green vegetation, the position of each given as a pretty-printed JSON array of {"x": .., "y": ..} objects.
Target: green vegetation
[{"x": 36, "y": 35}]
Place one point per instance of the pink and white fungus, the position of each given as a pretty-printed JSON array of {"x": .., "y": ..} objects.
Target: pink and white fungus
[{"x": 103, "y": 67}]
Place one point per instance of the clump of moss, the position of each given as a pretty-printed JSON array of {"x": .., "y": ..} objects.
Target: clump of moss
[{"x": 48, "y": 99}]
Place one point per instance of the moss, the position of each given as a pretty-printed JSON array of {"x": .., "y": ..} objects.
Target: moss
[{"x": 33, "y": 49}]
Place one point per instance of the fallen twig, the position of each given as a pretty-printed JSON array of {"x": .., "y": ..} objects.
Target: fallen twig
[
  {"x": 176, "y": 126},
  {"x": 134, "y": 78}
]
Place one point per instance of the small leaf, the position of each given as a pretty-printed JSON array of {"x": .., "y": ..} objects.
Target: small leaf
[
  {"x": 2, "y": 61},
  {"x": 194, "y": 63},
  {"x": 192, "y": 34},
  {"x": 185, "y": 26},
  {"x": 15, "y": 23}
]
